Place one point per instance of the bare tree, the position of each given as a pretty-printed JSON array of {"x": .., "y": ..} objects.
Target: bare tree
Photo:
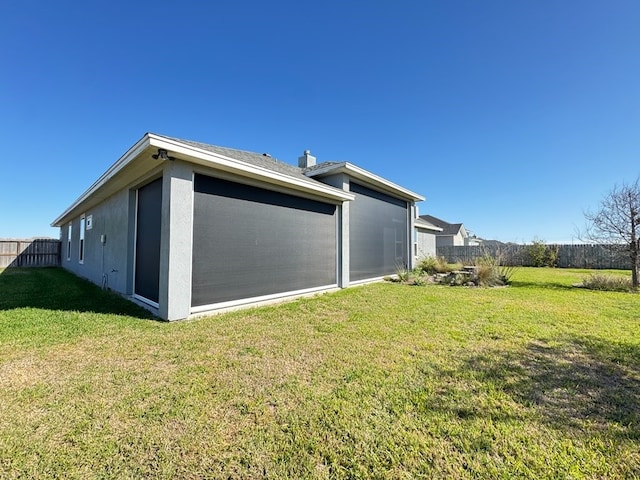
[{"x": 617, "y": 223}]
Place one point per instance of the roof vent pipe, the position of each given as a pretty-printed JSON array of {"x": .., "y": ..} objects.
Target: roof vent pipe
[{"x": 306, "y": 160}]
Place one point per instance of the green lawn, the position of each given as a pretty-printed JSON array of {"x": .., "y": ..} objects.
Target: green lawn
[{"x": 537, "y": 380}]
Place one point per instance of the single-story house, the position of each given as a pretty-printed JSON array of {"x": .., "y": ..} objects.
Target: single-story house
[
  {"x": 452, "y": 234},
  {"x": 184, "y": 227}
]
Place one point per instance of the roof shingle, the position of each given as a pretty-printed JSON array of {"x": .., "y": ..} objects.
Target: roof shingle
[
  {"x": 447, "y": 228},
  {"x": 253, "y": 158}
]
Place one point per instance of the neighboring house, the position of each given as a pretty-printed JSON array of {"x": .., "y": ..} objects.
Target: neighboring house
[
  {"x": 425, "y": 240},
  {"x": 452, "y": 234},
  {"x": 184, "y": 227}
]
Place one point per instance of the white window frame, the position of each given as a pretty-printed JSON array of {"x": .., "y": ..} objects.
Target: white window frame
[
  {"x": 69, "y": 233},
  {"x": 83, "y": 225}
]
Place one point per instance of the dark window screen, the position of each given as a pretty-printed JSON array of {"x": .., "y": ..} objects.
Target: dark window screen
[
  {"x": 249, "y": 242},
  {"x": 148, "y": 218},
  {"x": 377, "y": 234}
]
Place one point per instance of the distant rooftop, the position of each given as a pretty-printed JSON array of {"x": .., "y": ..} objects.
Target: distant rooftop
[{"x": 447, "y": 228}]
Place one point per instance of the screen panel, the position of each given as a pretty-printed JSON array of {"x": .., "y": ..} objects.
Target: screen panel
[
  {"x": 250, "y": 242},
  {"x": 148, "y": 220},
  {"x": 377, "y": 234}
]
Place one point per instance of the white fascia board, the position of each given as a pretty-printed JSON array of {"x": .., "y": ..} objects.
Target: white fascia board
[
  {"x": 371, "y": 178},
  {"x": 216, "y": 160},
  {"x": 122, "y": 162},
  {"x": 428, "y": 227}
]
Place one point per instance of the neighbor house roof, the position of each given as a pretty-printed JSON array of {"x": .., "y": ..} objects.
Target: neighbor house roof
[
  {"x": 138, "y": 161},
  {"x": 447, "y": 228}
]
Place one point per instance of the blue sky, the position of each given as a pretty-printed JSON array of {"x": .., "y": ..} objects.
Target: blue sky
[{"x": 512, "y": 117}]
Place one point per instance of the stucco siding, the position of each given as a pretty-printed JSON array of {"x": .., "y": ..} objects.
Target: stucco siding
[
  {"x": 234, "y": 227},
  {"x": 425, "y": 244},
  {"x": 103, "y": 263}
]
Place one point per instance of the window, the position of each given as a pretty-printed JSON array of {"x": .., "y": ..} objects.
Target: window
[
  {"x": 69, "y": 242},
  {"x": 82, "y": 228}
]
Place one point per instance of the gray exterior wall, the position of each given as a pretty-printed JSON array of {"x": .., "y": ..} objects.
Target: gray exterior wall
[
  {"x": 177, "y": 240},
  {"x": 425, "y": 244},
  {"x": 110, "y": 218},
  {"x": 112, "y": 263}
]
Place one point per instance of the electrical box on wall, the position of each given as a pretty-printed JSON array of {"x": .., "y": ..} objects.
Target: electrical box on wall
[
  {"x": 89, "y": 222},
  {"x": 103, "y": 239}
]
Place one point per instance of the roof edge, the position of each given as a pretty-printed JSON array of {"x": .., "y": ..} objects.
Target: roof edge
[
  {"x": 122, "y": 162},
  {"x": 423, "y": 224},
  {"x": 206, "y": 158},
  {"x": 372, "y": 178},
  {"x": 223, "y": 162}
]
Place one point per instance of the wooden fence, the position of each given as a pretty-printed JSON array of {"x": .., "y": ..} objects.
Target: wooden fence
[
  {"x": 569, "y": 256},
  {"x": 39, "y": 252}
]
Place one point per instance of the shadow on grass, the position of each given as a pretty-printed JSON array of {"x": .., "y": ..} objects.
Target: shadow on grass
[
  {"x": 581, "y": 384},
  {"x": 53, "y": 288}
]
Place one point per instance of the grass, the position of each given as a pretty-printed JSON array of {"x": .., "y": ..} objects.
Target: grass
[{"x": 537, "y": 380}]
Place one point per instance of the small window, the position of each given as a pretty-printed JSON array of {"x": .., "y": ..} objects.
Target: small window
[
  {"x": 83, "y": 224},
  {"x": 69, "y": 242}
]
